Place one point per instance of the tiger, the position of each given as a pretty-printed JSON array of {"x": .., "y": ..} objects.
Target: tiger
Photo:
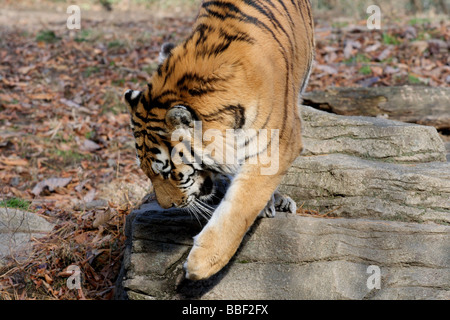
[{"x": 243, "y": 67}]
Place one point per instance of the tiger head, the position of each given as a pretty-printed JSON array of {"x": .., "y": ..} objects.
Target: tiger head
[
  {"x": 155, "y": 117},
  {"x": 176, "y": 183}
]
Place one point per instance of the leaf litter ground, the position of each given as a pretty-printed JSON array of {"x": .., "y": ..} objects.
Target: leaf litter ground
[{"x": 65, "y": 143}]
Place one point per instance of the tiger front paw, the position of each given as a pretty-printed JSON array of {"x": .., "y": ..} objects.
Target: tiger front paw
[
  {"x": 202, "y": 263},
  {"x": 284, "y": 203},
  {"x": 269, "y": 211},
  {"x": 280, "y": 203}
]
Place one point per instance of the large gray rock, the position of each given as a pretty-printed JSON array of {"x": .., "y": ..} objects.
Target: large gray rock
[
  {"x": 290, "y": 257},
  {"x": 418, "y": 104},
  {"x": 355, "y": 187},
  {"x": 369, "y": 138},
  {"x": 357, "y": 167},
  {"x": 370, "y": 167},
  {"x": 17, "y": 228}
]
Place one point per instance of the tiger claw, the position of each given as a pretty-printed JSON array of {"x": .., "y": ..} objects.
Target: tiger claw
[
  {"x": 280, "y": 203},
  {"x": 284, "y": 203},
  {"x": 269, "y": 211}
]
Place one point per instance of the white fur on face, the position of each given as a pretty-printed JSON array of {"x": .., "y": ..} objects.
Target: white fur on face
[{"x": 161, "y": 162}]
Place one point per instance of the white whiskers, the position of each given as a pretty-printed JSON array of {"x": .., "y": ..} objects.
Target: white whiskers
[{"x": 200, "y": 209}]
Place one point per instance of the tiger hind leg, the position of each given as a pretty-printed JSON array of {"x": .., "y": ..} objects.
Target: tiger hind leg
[{"x": 280, "y": 203}]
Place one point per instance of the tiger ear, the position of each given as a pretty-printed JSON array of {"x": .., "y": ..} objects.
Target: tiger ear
[
  {"x": 132, "y": 99},
  {"x": 165, "y": 52},
  {"x": 179, "y": 117}
]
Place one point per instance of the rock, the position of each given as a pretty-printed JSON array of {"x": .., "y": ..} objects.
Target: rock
[
  {"x": 50, "y": 184},
  {"x": 447, "y": 147},
  {"x": 437, "y": 46},
  {"x": 369, "y": 138},
  {"x": 387, "y": 181},
  {"x": 410, "y": 33},
  {"x": 417, "y": 104},
  {"x": 94, "y": 204},
  {"x": 17, "y": 228},
  {"x": 350, "y": 166},
  {"x": 91, "y": 146},
  {"x": 356, "y": 187},
  {"x": 290, "y": 257}
]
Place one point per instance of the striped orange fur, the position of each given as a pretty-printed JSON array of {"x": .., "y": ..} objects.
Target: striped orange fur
[{"x": 242, "y": 68}]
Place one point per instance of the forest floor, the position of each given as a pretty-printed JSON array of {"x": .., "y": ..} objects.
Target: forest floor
[{"x": 62, "y": 116}]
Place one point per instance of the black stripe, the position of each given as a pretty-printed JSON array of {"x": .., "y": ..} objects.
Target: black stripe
[
  {"x": 165, "y": 93},
  {"x": 170, "y": 68},
  {"x": 239, "y": 118},
  {"x": 267, "y": 13},
  {"x": 138, "y": 147},
  {"x": 165, "y": 175},
  {"x": 140, "y": 133},
  {"x": 267, "y": 119},
  {"x": 145, "y": 102},
  {"x": 188, "y": 177},
  {"x": 203, "y": 31},
  {"x": 220, "y": 4},
  {"x": 247, "y": 142},
  {"x": 241, "y": 16},
  {"x": 238, "y": 36},
  {"x": 308, "y": 8},
  {"x": 140, "y": 116},
  {"x": 189, "y": 76},
  {"x": 168, "y": 146},
  {"x": 187, "y": 187},
  {"x": 219, "y": 48},
  {"x": 166, "y": 165},
  {"x": 238, "y": 112},
  {"x": 159, "y": 70},
  {"x": 155, "y": 150},
  {"x": 152, "y": 138},
  {"x": 296, "y": 5},
  {"x": 196, "y": 92},
  {"x": 291, "y": 21},
  {"x": 152, "y": 128},
  {"x": 228, "y": 39},
  {"x": 135, "y": 124},
  {"x": 197, "y": 85}
]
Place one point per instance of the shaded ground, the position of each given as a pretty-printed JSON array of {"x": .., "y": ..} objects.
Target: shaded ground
[{"x": 62, "y": 116}]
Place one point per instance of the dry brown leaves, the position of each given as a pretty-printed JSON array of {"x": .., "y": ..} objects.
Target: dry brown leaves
[
  {"x": 304, "y": 212},
  {"x": 66, "y": 145},
  {"x": 413, "y": 52}
]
